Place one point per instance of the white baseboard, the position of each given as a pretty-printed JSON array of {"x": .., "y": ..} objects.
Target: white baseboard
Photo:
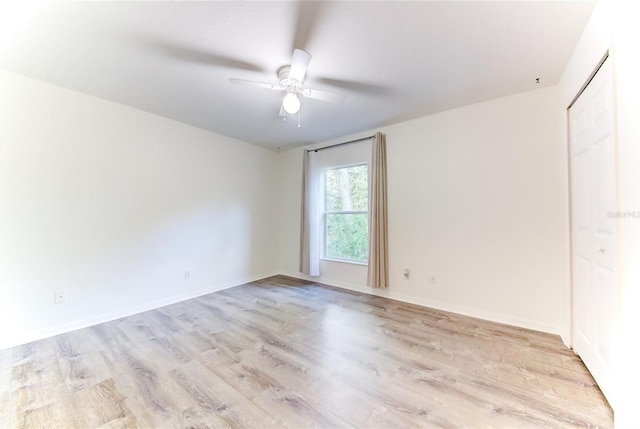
[
  {"x": 120, "y": 313},
  {"x": 438, "y": 305}
]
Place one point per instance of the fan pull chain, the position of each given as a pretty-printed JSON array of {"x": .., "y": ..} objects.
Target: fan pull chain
[{"x": 299, "y": 119}]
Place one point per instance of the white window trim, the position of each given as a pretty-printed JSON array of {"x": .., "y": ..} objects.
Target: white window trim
[{"x": 345, "y": 261}]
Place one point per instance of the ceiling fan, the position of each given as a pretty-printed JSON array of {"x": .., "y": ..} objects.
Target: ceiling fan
[{"x": 291, "y": 81}]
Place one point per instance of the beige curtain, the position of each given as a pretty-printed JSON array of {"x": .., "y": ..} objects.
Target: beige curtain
[
  {"x": 378, "y": 270},
  {"x": 309, "y": 238}
]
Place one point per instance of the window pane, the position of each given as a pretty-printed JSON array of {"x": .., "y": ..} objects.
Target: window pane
[
  {"x": 347, "y": 189},
  {"x": 347, "y": 236}
]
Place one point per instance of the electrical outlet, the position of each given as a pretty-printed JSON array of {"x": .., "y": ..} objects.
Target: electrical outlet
[
  {"x": 434, "y": 279},
  {"x": 187, "y": 274},
  {"x": 60, "y": 297}
]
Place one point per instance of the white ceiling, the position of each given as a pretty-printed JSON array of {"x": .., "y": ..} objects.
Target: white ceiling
[{"x": 393, "y": 60}]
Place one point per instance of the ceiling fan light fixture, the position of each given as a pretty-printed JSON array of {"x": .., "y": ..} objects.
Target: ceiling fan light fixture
[{"x": 291, "y": 103}]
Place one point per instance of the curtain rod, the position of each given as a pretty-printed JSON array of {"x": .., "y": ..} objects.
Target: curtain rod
[{"x": 340, "y": 144}]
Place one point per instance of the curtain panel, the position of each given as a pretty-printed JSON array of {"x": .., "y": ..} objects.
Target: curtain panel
[
  {"x": 309, "y": 220},
  {"x": 378, "y": 269}
]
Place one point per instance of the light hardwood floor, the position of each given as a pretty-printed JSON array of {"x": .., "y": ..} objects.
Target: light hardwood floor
[{"x": 285, "y": 353}]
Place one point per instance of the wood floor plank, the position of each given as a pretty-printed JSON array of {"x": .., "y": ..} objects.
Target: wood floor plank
[
  {"x": 286, "y": 353},
  {"x": 220, "y": 398}
]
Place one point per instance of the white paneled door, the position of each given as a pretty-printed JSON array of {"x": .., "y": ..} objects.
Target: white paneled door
[{"x": 593, "y": 205}]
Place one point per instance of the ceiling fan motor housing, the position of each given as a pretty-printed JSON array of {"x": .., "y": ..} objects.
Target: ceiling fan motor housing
[{"x": 287, "y": 84}]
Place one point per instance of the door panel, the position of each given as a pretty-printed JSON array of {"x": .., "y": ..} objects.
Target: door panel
[
  {"x": 605, "y": 318},
  {"x": 593, "y": 231},
  {"x": 582, "y": 301}
]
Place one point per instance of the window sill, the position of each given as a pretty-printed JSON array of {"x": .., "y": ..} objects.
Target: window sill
[{"x": 345, "y": 261}]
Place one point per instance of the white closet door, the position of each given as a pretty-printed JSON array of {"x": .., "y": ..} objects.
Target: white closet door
[{"x": 593, "y": 204}]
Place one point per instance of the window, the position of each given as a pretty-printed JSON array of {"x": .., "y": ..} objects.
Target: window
[{"x": 346, "y": 218}]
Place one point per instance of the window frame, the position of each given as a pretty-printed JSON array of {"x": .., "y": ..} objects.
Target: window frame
[{"x": 325, "y": 212}]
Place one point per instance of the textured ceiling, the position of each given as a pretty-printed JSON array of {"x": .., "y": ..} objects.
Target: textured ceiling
[{"x": 392, "y": 60}]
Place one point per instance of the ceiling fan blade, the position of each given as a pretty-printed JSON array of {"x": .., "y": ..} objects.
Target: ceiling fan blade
[
  {"x": 254, "y": 83},
  {"x": 351, "y": 85},
  {"x": 192, "y": 54},
  {"x": 323, "y": 95},
  {"x": 307, "y": 15},
  {"x": 299, "y": 63}
]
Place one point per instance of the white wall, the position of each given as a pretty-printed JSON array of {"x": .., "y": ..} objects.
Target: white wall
[
  {"x": 112, "y": 204},
  {"x": 476, "y": 197},
  {"x": 613, "y": 27},
  {"x": 627, "y": 71}
]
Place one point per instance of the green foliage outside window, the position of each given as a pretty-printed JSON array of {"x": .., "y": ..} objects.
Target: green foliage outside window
[{"x": 347, "y": 223}]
